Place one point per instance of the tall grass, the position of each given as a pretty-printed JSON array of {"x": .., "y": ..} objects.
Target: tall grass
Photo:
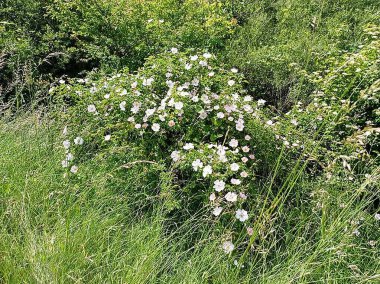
[{"x": 55, "y": 231}]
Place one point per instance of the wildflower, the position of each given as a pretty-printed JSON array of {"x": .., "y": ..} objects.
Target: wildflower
[
  {"x": 155, "y": 127},
  {"x": 242, "y": 195},
  {"x": 178, "y": 105},
  {"x": 234, "y": 70},
  {"x": 203, "y": 63},
  {"x": 211, "y": 74},
  {"x": 219, "y": 185},
  {"x": 188, "y": 66},
  {"x": 207, "y": 170},
  {"x": 66, "y": 144},
  {"x": 207, "y": 55},
  {"x": 175, "y": 156},
  {"x": 261, "y": 102},
  {"x": 78, "y": 140},
  {"x": 234, "y": 167},
  {"x": 252, "y": 157},
  {"x": 294, "y": 122},
  {"x": 137, "y": 125},
  {"x": 197, "y": 164},
  {"x": 212, "y": 197},
  {"x": 64, "y": 132},
  {"x": 69, "y": 157},
  {"x": 233, "y": 143},
  {"x": 231, "y": 197},
  {"x": 188, "y": 146},
  {"x": 202, "y": 114},
  {"x": 74, "y": 169},
  {"x": 220, "y": 115},
  {"x": 235, "y": 181},
  {"x": 136, "y": 107},
  {"x": 241, "y": 215},
  {"x": 193, "y": 57},
  {"x": 244, "y": 159},
  {"x": 65, "y": 163},
  {"x": 107, "y": 137},
  {"x": 174, "y": 50},
  {"x": 245, "y": 149},
  {"x": 377, "y": 216},
  {"x": 250, "y": 231},
  {"x": 171, "y": 123},
  {"x": 217, "y": 211},
  {"x": 91, "y": 108},
  {"x": 231, "y": 83},
  {"x": 270, "y": 122},
  {"x": 122, "y": 105},
  {"x": 228, "y": 247},
  {"x": 239, "y": 126},
  {"x": 244, "y": 174}
]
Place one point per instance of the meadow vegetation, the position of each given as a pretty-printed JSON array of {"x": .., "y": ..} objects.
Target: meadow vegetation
[{"x": 189, "y": 141}]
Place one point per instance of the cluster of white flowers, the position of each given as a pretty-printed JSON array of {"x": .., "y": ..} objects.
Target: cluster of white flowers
[
  {"x": 69, "y": 156},
  {"x": 217, "y": 149}
]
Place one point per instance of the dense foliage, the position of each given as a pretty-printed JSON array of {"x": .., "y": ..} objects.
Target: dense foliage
[{"x": 245, "y": 127}]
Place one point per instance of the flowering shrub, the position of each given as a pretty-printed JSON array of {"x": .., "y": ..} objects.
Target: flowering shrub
[
  {"x": 181, "y": 109},
  {"x": 191, "y": 114}
]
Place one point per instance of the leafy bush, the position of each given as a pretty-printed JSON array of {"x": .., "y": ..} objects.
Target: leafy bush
[{"x": 278, "y": 34}]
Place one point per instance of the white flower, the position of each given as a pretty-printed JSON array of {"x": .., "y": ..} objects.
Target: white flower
[
  {"x": 65, "y": 163},
  {"x": 234, "y": 167},
  {"x": 219, "y": 185},
  {"x": 137, "y": 125},
  {"x": 107, "y": 137},
  {"x": 231, "y": 83},
  {"x": 231, "y": 197},
  {"x": 178, "y": 105},
  {"x": 247, "y": 137},
  {"x": 217, "y": 211},
  {"x": 212, "y": 197},
  {"x": 64, "y": 132},
  {"x": 270, "y": 122},
  {"x": 207, "y": 55},
  {"x": 241, "y": 215},
  {"x": 233, "y": 143},
  {"x": 239, "y": 126},
  {"x": 207, "y": 170},
  {"x": 78, "y": 141},
  {"x": 69, "y": 157},
  {"x": 377, "y": 216},
  {"x": 261, "y": 102},
  {"x": 294, "y": 122},
  {"x": 244, "y": 159},
  {"x": 235, "y": 181},
  {"x": 234, "y": 70},
  {"x": 211, "y": 74},
  {"x": 228, "y": 247},
  {"x": 197, "y": 164},
  {"x": 245, "y": 149},
  {"x": 202, "y": 114},
  {"x": 220, "y": 115},
  {"x": 174, "y": 50},
  {"x": 188, "y": 66},
  {"x": 122, "y": 105},
  {"x": 156, "y": 127},
  {"x": 74, "y": 169},
  {"x": 136, "y": 107},
  {"x": 175, "y": 156},
  {"x": 188, "y": 146},
  {"x": 193, "y": 57},
  {"x": 91, "y": 108},
  {"x": 66, "y": 144},
  {"x": 244, "y": 174}
]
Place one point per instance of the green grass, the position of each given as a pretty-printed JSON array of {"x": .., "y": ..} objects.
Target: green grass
[{"x": 53, "y": 230}]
